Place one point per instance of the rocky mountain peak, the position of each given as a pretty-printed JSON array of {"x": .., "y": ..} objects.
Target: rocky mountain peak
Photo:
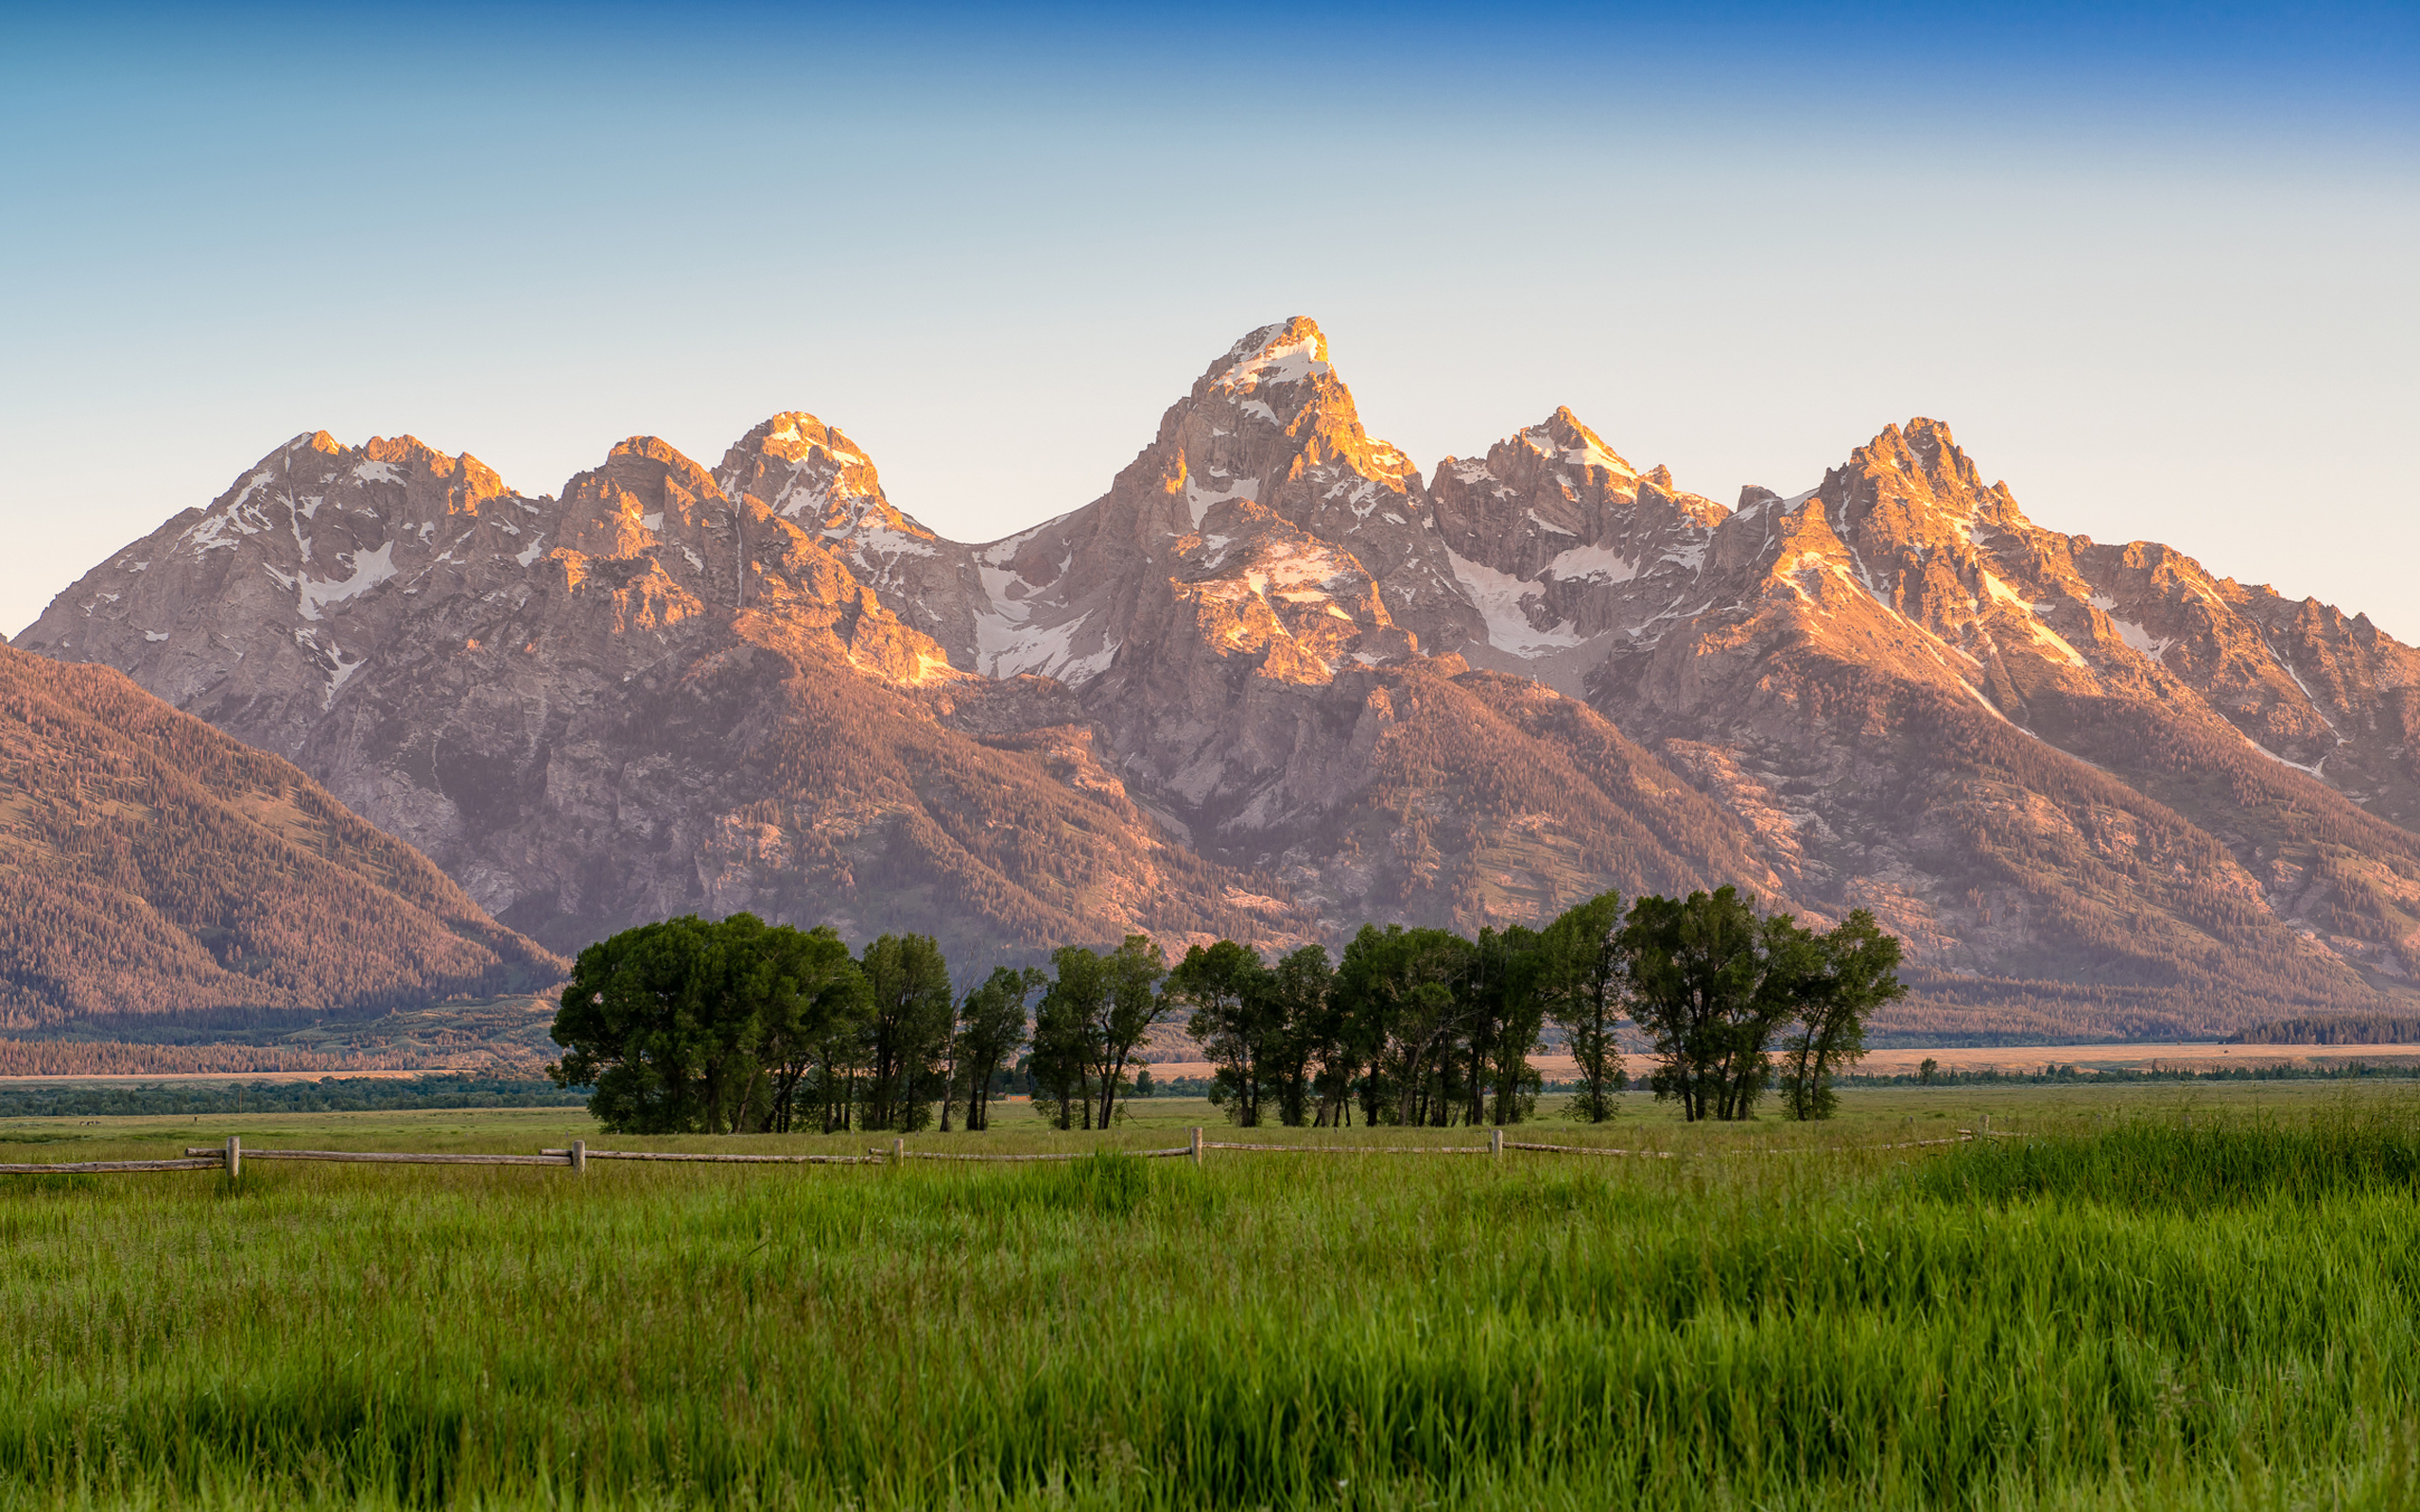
[
  {"x": 469, "y": 480},
  {"x": 1289, "y": 351},
  {"x": 1562, "y": 439},
  {"x": 1564, "y": 546},
  {"x": 1921, "y": 463},
  {"x": 801, "y": 468},
  {"x": 1275, "y": 530},
  {"x": 645, "y": 486},
  {"x": 766, "y": 687},
  {"x": 809, "y": 476},
  {"x": 1271, "y": 420}
]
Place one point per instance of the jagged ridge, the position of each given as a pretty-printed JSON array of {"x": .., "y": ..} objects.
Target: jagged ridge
[{"x": 1273, "y": 682}]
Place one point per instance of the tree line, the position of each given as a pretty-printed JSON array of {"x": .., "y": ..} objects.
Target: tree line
[{"x": 738, "y": 1025}]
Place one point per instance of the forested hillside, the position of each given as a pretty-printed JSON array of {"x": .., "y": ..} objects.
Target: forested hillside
[{"x": 151, "y": 869}]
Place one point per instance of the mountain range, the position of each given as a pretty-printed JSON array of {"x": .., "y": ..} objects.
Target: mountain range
[{"x": 1275, "y": 682}]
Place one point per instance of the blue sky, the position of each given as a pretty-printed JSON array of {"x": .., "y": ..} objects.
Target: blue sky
[{"x": 2153, "y": 264}]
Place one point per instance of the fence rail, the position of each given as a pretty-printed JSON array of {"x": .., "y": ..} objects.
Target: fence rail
[
  {"x": 1587, "y": 1149},
  {"x": 386, "y": 1157},
  {"x": 1356, "y": 1150},
  {"x": 71, "y": 1167},
  {"x": 879, "y": 1157},
  {"x": 230, "y": 1158},
  {"x": 718, "y": 1160}
]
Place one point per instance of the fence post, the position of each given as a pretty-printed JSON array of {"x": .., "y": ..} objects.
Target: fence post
[
  {"x": 1197, "y": 1146},
  {"x": 1987, "y": 1122},
  {"x": 234, "y": 1156},
  {"x": 899, "y": 1152},
  {"x": 579, "y": 1156},
  {"x": 1495, "y": 1143}
]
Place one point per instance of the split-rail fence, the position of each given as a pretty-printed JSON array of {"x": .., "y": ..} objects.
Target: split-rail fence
[{"x": 230, "y": 1157}]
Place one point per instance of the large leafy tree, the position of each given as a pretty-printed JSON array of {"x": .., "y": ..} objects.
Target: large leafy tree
[
  {"x": 992, "y": 1024},
  {"x": 1236, "y": 1018},
  {"x": 806, "y": 992},
  {"x": 636, "y": 1023},
  {"x": 1711, "y": 981},
  {"x": 1066, "y": 1034},
  {"x": 1580, "y": 976},
  {"x": 1400, "y": 992},
  {"x": 687, "y": 1026},
  {"x": 1859, "y": 971},
  {"x": 1506, "y": 1008},
  {"x": 909, "y": 1008},
  {"x": 1132, "y": 1005},
  {"x": 1298, "y": 987}
]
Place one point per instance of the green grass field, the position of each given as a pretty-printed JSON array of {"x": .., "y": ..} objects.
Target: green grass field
[{"x": 2203, "y": 1298}]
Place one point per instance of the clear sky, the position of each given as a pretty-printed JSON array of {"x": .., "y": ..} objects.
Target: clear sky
[{"x": 2158, "y": 268}]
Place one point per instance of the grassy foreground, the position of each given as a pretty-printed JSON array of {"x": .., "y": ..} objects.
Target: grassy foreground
[{"x": 2125, "y": 1312}]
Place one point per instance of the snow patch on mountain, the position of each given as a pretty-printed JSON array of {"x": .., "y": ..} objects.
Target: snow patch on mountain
[
  {"x": 2043, "y": 636},
  {"x": 882, "y": 539},
  {"x": 1497, "y": 597},
  {"x": 1587, "y": 454},
  {"x": 1278, "y": 362},
  {"x": 1006, "y": 648},
  {"x": 1198, "y": 501},
  {"x": 1007, "y": 642},
  {"x": 370, "y": 569},
  {"x": 2132, "y": 633},
  {"x": 1595, "y": 564}
]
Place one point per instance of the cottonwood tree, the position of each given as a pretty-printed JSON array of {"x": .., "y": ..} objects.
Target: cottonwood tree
[
  {"x": 838, "y": 1046},
  {"x": 1298, "y": 987},
  {"x": 1711, "y": 982},
  {"x": 685, "y": 1025},
  {"x": 639, "y": 1023},
  {"x": 1397, "y": 989},
  {"x": 1237, "y": 1020},
  {"x": 1859, "y": 973},
  {"x": 1581, "y": 976},
  {"x": 1065, "y": 1034},
  {"x": 1133, "y": 1005},
  {"x": 1507, "y": 1009},
  {"x": 802, "y": 987},
  {"x": 991, "y": 1025},
  {"x": 909, "y": 1011}
]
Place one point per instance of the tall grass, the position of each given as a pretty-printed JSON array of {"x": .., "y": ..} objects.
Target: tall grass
[{"x": 2154, "y": 1317}]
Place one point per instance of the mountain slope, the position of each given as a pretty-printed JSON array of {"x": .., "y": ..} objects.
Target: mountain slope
[
  {"x": 150, "y": 866},
  {"x": 1272, "y": 682},
  {"x": 1956, "y": 724},
  {"x": 1244, "y": 618},
  {"x": 638, "y": 700}
]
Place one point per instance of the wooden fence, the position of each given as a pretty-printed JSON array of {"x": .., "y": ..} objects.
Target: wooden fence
[{"x": 230, "y": 1157}]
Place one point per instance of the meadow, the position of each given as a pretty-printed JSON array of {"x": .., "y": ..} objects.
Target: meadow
[{"x": 2203, "y": 1296}]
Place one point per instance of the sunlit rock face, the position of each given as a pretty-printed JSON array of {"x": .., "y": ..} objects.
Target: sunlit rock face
[{"x": 1273, "y": 682}]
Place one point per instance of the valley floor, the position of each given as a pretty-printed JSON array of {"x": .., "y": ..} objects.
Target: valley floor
[{"x": 2162, "y": 1297}]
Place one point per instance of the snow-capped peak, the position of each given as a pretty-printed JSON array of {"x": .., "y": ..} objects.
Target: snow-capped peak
[
  {"x": 1288, "y": 352},
  {"x": 1562, "y": 438}
]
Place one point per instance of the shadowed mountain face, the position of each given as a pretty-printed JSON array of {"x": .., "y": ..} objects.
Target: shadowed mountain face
[
  {"x": 150, "y": 868},
  {"x": 1273, "y": 683}
]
